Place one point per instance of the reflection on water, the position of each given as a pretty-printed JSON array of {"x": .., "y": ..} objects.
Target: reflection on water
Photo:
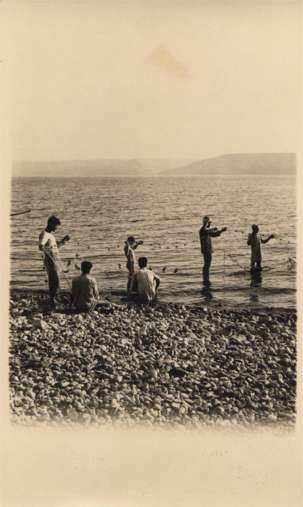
[
  {"x": 255, "y": 284},
  {"x": 207, "y": 294},
  {"x": 99, "y": 213}
]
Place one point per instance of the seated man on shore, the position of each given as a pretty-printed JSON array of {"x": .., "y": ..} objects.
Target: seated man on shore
[
  {"x": 85, "y": 293},
  {"x": 145, "y": 283}
]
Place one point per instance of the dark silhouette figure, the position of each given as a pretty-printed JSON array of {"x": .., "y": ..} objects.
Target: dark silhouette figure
[{"x": 206, "y": 233}]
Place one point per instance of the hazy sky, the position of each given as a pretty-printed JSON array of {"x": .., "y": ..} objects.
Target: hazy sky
[{"x": 173, "y": 79}]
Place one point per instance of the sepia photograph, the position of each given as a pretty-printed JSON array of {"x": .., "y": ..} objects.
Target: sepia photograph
[{"x": 153, "y": 216}]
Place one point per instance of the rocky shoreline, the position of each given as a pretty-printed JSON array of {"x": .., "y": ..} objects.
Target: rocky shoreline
[{"x": 167, "y": 364}]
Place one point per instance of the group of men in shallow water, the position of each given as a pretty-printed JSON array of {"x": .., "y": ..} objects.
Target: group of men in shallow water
[
  {"x": 142, "y": 284},
  {"x": 254, "y": 240}
]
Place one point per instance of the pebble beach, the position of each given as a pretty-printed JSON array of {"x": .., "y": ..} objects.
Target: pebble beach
[{"x": 169, "y": 364}]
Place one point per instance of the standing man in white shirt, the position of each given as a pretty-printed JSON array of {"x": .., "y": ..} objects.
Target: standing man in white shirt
[
  {"x": 50, "y": 248},
  {"x": 145, "y": 282},
  {"x": 129, "y": 250}
]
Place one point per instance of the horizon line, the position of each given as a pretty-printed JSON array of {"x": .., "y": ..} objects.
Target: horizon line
[{"x": 159, "y": 176}]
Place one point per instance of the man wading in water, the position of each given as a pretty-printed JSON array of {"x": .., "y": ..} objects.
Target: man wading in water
[
  {"x": 49, "y": 246},
  {"x": 254, "y": 240},
  {"x": 206, "y": 233}
]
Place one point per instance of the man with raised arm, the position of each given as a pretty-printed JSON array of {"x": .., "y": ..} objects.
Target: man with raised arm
[
  {"x": 254, "y": 240},
  {"x": 130, "y": 246},
  {"x": 206, "y": 233},
  {"x": 50, "y": 248}
]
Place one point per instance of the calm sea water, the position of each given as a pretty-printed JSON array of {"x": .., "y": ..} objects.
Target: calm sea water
[{"x": 99, "y": 213}]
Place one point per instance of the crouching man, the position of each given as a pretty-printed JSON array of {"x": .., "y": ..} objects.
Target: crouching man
[
  {"x": 85, "y": 293},
  {"x": 145, "y": 283}
]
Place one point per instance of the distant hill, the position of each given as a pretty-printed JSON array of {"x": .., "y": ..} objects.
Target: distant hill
[
  {"x": 236, "y": 164},
  {"x": 95, "y": 168}
]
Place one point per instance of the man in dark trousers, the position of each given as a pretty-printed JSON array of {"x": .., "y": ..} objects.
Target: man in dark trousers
[{"x": 206, "y": 233}]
